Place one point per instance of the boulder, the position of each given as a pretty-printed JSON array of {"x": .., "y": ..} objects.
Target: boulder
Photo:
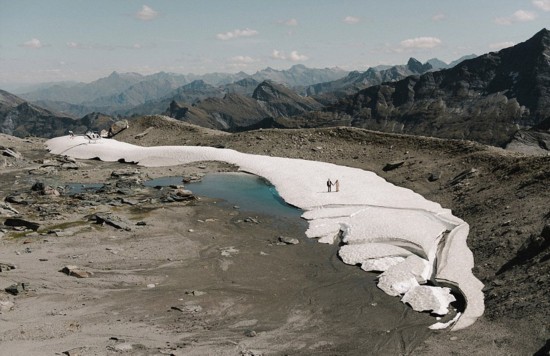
[
  {"x": 7, "y": 210},
  {"x": 392, "y": 165},
  {"x": 6, "y": 266},
  {"x": 17, "y": 288},
  {"x": 288, "y": 240},
  {"x": 113, "y": 220},
  {"x": 117, "y": 127},
  {"x": 17, "y": 222},
  {"x": 76, "y": 272},
  {"x": 11, "y": 153}
]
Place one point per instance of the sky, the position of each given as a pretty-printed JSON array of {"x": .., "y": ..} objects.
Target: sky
[{"x": 83, "y": 40}]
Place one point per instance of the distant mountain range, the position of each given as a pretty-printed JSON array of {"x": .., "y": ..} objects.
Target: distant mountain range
[
  {"x": 126, "y": 94},
  {"x": 498, "y": 98},
  {"x": 121, "y": 93}
]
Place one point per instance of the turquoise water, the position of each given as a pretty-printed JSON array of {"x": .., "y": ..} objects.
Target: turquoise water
[{"x": 249, "y": 192}]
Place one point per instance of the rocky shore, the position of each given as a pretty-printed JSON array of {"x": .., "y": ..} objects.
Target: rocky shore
[{"x": 142, "y": 270}]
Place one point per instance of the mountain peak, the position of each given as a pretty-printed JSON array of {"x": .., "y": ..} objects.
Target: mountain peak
[
  {"x": 544, "y": 33},
  {"x": 416, "y": 66}
]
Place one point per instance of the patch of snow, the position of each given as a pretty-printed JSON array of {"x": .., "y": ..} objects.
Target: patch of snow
[
  {"x": 427, "y": 298},
  {"x": 381, "y": 264},
  {"x": 439, "y": 326},
  {"x": 375, "y": 219}
]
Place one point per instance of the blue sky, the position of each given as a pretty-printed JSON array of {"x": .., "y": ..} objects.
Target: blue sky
[{"x": 83, "y": 40}]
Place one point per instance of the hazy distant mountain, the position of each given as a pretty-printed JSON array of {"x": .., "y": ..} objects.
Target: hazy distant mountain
[
  {"x": 461, "y": 59},
  {"x": 438, "y": 64},
  {"x": 132, "y": 93},
  {"x": 235, "y": 111},
  {"x": 244, "y": 87},
  {"x": 81, "y": 92},
  {"x": 329, "y": 92},
  {"x": 151, "y": 88},
  {"x": 485, "y": 99},
  {"x": 190, "y": 93},
  {"x": 20, "y": 118},
  {"x": 299, "y": 75}
]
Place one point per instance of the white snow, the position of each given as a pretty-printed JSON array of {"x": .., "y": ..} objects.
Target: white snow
[
  {"x": 375, "y": 219},
  {"x": 381, "y": 264},
  {"x": 427, "y": 298}
]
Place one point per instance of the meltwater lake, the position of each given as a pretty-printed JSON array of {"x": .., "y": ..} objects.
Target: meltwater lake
[{"x": 247, "y": 191}]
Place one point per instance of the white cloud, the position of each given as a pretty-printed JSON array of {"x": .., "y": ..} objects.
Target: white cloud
[
  {"x": 278, "y": 55},
  {"x": 294, "y": 56},
  {"x": 236, "y": 34},
  {"x": 518, "y": 16},
  {"x": 544, "y": 5},
  {"x": 501, "y": 45},
  {"x": 33, "y": 43},
  {"x": 351, "y": 20},
  {"x": 420, "y": 43},
  {"x": 439, "y": 17},
  {"x": 77, "y": 45},
  {"x": 290, "y": 22},
  {"x": 242, "y": 60},
  {"x": 146, "y": 13}
]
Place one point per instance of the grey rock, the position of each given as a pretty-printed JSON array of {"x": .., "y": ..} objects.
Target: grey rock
[
  {"x": 129, "y": 201},
  {"x": 434, "y": 176},
  {"x": 70, "y": 166},
  {"x": 288, "y": 240},
  {"x": 77, "y": 351},
  {"x": 112, "y": 220},
  {"x": 188, "y": 308},
  {"x": 11, "y": 153},
  {"x": 117, "y": 127},
  {"x": 7, "y": 208},
  {"x": 250, "y": 333},
  {"x": 125, "y": 173},
  {"x": 467, "y": 174},
  {"x": 17, "y": 222},
  {"x": 19, "y": 199},
  {"x": 6, "y": 266},
  {"x": 196, "y": 293},
  {"x": 76, "y": 271},
  {"x": 17, "y": 288},
  {"x": 392, "y": 165}
]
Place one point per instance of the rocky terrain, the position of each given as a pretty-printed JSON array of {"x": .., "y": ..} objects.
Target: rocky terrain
[
  {"x": 485, "y": 99},
  {"x": 168, "y": 273}
]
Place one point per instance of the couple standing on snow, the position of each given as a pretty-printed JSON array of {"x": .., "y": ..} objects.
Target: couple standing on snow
[{"x": 330, "y": 184}]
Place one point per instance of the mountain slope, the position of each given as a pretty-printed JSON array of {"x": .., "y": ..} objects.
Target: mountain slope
[
  {"x": 484, "y": 99},
  {"x": 235, "y": 112}
]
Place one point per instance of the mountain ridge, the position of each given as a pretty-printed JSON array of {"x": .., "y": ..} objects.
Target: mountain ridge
[{"x": 485, "y": 99}]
